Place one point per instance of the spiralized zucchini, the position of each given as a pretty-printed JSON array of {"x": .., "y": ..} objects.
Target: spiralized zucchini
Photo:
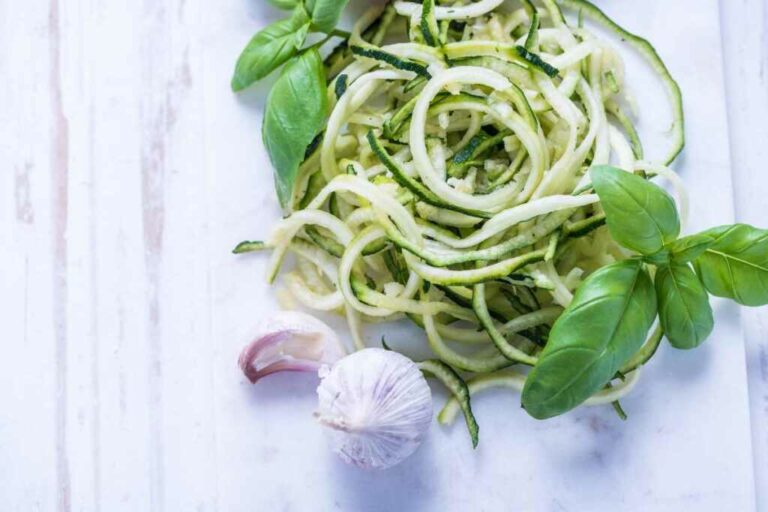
[{"x": 450, "y": 185}]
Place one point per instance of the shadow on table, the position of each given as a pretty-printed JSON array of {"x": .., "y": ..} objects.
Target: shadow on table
[{"x": 402, "y": 488}]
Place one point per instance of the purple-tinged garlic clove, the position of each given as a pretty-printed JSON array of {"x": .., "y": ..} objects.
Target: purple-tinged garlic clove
[
  {"x": 377, "y": 406},
  {"x": 290, "y": 341}
]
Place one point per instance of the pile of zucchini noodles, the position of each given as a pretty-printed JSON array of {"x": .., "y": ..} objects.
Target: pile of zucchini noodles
[{"x": 451, "y": 187}]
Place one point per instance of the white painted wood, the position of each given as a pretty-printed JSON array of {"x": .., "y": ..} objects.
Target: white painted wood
[
  {"x": 131, "y": 170},
  {"x": 745, "y": 41},
  {"x": 32, "y": 298}
]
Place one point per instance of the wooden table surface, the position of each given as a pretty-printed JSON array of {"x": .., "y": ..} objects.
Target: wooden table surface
[
  {"x": 745, "y": 43},
  {"x": 109, "y": 207}
]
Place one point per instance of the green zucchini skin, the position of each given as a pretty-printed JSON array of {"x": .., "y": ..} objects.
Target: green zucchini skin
[
  {"x": 456, "y": 385},
  {"x": 410, "y": 254},
  {"x": 418, "y": 189},
  {"x": 428, "y": 24},
  {"x": 590, "y": 11},
  {"x": 537, "y": 61},
  {"x": 391, "y": 60}
]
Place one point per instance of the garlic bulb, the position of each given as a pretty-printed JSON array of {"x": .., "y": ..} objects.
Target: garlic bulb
[
  {"x": 377, "y": 405},
  {"x": 290, "y": 341}
]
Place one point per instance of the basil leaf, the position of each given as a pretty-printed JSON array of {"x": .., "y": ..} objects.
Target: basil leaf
[
  {"x": 736, "y": 264},
  {"x": 690, "y": 247},
  {"x": 684, "y": 309},
  {"x": 295, "y": 113},
  {"x": 284, "y": 4},
  {"x": 605, "y": 325},
  {"x": 325, "y": 13},
  {"x": 659, "y": 258},
  {"x": 270, "y": 48},
  {"x": 641, "y": 216}
]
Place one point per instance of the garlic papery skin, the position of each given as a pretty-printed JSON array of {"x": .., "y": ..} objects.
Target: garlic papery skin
[
  {"x": 377, "y": 405},
  {"x": 290, "y": 341}
]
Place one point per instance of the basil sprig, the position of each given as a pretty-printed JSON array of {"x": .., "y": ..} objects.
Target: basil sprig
[
  {"x": 297, "y": 105},
  {"x": 613, "y": 309}
]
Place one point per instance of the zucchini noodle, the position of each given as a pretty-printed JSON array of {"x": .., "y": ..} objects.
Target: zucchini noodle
[
  {"x": 450, "y": 186},
  {"x": 509, "y": 379}
]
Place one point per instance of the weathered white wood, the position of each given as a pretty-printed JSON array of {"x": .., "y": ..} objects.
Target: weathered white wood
[
  {"x": 186, "y": 348},
  {"x": 108, "y": 428},
  {"x": 81, "y": 387},
  {"x": 242, "y": 201},
  {"x": 130, "y": 170},
  {"x": 33, "y": 468},
  {"x": 745, "y": 41}
]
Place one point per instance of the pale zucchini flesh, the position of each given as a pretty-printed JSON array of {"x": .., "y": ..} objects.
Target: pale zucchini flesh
[{"x": 462, "y": 202}]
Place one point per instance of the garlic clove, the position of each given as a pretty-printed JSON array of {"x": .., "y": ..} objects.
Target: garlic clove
[
  {"x": 290, "y": 341},
  {"x": 377, "y": 406}
]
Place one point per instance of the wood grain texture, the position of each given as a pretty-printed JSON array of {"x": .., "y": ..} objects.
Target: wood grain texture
[
  {"x": 745, "y": 43},
  {"x": 29, "y": 279},
  {"x": 112, "y": 269}
]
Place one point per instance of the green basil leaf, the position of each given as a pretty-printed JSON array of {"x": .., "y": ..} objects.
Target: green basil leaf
[
  {"x": 605, "y": 325},
  {"x": 270, "y": 48},
  {"x": 325, "y": 13},
  {"x": 295, "y": 113},
  {"x": 689, "y": 248},
  {"x": 684, "y": 309},
  {"x": 736, "y": 264},
  {"x": 659, "y": 258},
  {"x": 284, "y": 4},
  {"x": 641, "y": 216}
]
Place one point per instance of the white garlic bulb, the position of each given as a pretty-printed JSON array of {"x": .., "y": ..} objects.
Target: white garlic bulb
[
  {"x": 290, "y": 341},
  {"x": 377, "y": 405}
]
